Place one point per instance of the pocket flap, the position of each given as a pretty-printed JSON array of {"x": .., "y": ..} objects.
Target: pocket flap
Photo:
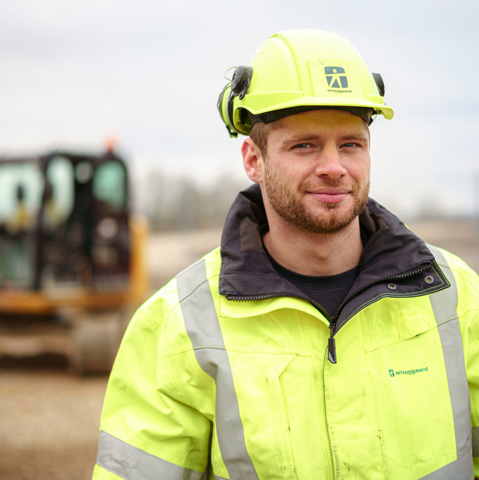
[{"x": 389, "y": 327}]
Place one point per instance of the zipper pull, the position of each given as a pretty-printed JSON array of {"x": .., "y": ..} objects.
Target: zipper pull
[{"x": 332, "y": 345}]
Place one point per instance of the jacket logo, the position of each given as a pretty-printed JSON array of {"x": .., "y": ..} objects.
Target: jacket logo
[
  {"x": 394, "y": 373},
  {"x": 334, "y": 77}
]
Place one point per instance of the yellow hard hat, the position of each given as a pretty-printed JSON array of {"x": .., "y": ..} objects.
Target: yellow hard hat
[{"x": 299, "y": 70}]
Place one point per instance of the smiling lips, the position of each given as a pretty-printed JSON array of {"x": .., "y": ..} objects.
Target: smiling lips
[{"x": 330, "y": 195}]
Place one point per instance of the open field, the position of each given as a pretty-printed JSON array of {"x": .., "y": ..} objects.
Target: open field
[{"x": 49, "y": 426}]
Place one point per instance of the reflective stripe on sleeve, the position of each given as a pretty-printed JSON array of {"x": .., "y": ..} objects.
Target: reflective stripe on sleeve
[
  {"x": 203, "y": 328},
  {"x": 475, "y": 441},
  {"x": 461, "y": 469},
  {"x": 132, "y": 463},
  {"x": 444, "y": 307}
]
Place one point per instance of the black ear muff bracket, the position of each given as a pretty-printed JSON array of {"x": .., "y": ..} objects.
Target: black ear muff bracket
[
  {"x": 380, "y": 83},
  {"x": 241, "y": 81}
]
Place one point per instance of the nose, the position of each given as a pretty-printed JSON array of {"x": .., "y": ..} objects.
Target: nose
[{"x": 329, "y": 164}]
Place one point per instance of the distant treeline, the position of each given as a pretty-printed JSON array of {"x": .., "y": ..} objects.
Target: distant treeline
[{"x": 173, "y": 204}]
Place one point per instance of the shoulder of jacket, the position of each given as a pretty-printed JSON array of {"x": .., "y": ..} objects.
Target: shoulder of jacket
[
  {"x": 463, "y": 273},
  {"x": 183, "y": 284}
]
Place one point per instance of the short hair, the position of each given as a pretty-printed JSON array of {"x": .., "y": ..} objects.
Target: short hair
[{"x": 259, "y": 134}]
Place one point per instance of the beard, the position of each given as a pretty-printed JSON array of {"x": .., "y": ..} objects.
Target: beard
[{"x": 317, "y": 218}]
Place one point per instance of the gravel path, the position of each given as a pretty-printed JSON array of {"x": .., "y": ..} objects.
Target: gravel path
[{"x": 49, "y": 426}]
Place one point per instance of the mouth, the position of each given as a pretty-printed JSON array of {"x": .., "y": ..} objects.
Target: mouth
[{"x": 330, "y": 195}]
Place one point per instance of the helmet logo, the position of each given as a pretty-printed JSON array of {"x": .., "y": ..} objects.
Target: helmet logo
[{"x": 334, "y": 77}]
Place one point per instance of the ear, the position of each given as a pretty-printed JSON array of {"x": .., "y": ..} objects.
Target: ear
[{"x": 252, "y": 161}]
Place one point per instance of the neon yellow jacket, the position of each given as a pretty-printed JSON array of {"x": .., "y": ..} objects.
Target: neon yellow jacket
[{"x": 224, "y": 373}]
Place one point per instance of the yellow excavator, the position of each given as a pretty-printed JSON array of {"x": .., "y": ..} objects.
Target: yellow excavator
[{"x": 72, "y": 258}]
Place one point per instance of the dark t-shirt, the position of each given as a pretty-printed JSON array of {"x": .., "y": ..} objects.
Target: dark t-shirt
[{"x": 328, "y": 291}]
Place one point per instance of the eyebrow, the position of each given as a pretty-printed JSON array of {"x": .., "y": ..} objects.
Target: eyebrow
[
  {"x": 358, "y": 136},
  {"x": 305, "y": 138},
  {"x": 300, "y": 138}
]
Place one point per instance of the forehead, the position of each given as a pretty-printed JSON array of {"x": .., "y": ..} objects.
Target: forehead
[{"x": 320, "y": 122}]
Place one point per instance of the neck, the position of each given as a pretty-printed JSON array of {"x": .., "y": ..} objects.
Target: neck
[{"x": 314, "y": 254}]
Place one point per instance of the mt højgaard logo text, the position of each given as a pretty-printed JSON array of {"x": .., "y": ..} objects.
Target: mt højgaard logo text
[{"x": 395, "y": 373}]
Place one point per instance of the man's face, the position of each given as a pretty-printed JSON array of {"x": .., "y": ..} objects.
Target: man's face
[{"x": 316, "y": 171}]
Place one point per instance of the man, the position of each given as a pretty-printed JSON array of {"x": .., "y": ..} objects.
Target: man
[{"x": 324, "y": 340}]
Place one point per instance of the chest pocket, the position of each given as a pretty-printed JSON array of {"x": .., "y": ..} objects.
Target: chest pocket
[{"x": 383, "y": 327}]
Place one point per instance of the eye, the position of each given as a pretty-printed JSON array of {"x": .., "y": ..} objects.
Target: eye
[
  {"x": 351, "y": 145},
  {"x": 302, "y": 145}
]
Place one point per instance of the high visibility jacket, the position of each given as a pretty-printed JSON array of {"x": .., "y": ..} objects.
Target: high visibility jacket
[{"x": 226, "y": 373}]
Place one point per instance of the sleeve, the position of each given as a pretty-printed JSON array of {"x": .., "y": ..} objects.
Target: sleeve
[
  {"x": 468, "y": 312},
  {"x": 472, "y": 369},
  {"x": 467, "y": 282},
  {"x": 148, "y": 427}
]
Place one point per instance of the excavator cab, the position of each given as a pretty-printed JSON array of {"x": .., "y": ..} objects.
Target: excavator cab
[{"x": 71, "y": 256}]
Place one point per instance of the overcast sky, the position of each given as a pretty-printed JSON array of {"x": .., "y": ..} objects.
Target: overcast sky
[{"x": 74, "y": 72}]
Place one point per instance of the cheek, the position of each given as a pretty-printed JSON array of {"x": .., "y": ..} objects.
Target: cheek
[
  {"x": 360, "y": 169},
  {"x": 297, "y": 170}
]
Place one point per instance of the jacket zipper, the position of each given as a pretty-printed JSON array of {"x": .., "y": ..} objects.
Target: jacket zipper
[
  {"x": 333, "y": 320},
  {"x": 332, "y": 325}
]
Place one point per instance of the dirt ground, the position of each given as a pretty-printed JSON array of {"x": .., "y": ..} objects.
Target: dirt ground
[
  {"x": 49, "y": 423},
  {"x": 49, "y": 418}
]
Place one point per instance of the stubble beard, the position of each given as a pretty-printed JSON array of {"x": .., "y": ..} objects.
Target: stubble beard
[{"x": 291, "y": 205}]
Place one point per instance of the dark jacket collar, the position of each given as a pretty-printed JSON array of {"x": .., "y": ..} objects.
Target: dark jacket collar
[{"x": 390, "y": 249}]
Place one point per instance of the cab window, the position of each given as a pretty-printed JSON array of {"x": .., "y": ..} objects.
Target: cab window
[
  {"x": 60, "y": 192},
  {"x": 109, "y": 184},
  {"x": 21, "y": 187}
]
